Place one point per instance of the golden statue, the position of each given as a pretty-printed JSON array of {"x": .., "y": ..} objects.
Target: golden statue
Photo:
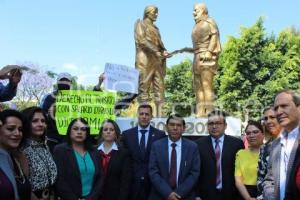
[
  {"x": 150, "y": 57},
  {"x": 206, "y": 49}
]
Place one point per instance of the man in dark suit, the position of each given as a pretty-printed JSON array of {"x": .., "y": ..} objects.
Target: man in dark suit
[
  {"x": 217, "y": 153},
  {"x": 174, "y": 164},
  {"x": 138, "y": 141}
]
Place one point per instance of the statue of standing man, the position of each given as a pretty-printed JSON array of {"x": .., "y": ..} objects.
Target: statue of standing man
[
  {"x": 150, "y": 57},
  {"x": 206, "y": 48}
]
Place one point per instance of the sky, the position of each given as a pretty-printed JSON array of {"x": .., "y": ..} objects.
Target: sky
[{"x": 80, "y": 36}]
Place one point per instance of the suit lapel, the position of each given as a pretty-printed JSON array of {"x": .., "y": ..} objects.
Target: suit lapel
[
  {"x": 184, "y": 152},
  {"x": 151, "y": 136},
  {"x": 73, "y": 163},
  {"x": 113, "y": 159},
  {"x": 135, "y": 139},
  {"x": 292, "y": 156},
  {"x": 165, "y": 156},
  {"x": 224, "y": 152},
  {"x": 210, "y": 148},
  {"x": 276, "y": 165}
]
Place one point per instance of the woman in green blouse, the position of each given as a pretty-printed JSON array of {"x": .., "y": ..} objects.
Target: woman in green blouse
[{"x": 78, "y": 164}]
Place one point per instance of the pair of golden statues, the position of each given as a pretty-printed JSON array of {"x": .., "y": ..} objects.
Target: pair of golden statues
[{"x": 151, "y": 57}]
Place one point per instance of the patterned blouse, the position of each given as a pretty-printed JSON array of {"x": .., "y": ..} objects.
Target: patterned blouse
[
  {"x": 262, "y": 170},
  {"x": 42, "y": 168}
]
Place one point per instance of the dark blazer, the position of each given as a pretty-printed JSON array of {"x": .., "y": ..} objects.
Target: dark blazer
[
  {"x": 159, "y": 170},
  {"x": 291, "y": 192},
  {"x": 130, "y": 140},
  {"x": 68, "y": 184},
  {"x": 118, "y": 178},
  {"x": 207, "y": 179}
]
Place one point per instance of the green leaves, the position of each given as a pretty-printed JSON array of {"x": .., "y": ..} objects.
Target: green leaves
[
  {"x": 254, "y": 66},
  {"x": 180, "y": 97}
]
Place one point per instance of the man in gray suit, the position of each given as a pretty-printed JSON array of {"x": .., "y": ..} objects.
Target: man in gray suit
[{"x": 283, "y": 149}]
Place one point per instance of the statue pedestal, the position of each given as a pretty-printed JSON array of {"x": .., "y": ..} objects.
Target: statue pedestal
[
  {"x": 131, "y": 111},
  {"x": 194, "y": 126}
]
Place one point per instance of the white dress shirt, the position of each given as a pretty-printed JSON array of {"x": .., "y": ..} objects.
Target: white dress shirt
[
  {"x": 146, "y": 134},
  {"x": 114, "y": 146}
]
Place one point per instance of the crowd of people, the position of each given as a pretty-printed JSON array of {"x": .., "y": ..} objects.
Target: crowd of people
[{"x": 147, "y": 163}]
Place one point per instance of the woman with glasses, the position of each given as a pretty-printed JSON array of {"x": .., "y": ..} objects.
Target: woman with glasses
[
  {"x": 42, "y": 168},
  {"x": 13, "y": 182},
  {"x": 115, "y": 162},
  {"x": 246, "y": 162},
  {"x": 78, "y": 164}
]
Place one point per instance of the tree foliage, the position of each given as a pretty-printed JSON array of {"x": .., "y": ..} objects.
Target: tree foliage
[
  {"x": 254, "y": 66},
  {"x": 180, "y": 97},
  {"x": 33, "y": 86}
]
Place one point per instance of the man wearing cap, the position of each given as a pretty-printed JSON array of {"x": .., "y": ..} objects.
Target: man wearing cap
[{"x": 64, "y": 81}]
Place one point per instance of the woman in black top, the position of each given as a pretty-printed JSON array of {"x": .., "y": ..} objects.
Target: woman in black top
[
  {"x": 115, "y": 162},
  {"x": 78, "y": 165}
]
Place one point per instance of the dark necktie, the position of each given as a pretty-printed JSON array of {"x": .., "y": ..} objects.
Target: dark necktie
[
  {"x": 142, "y": 142},
  {"x": 218, "y": 162},
  {"x": 173, "y": 168}
]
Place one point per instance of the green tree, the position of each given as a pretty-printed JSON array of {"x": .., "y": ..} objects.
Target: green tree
[
  {"x": 254, "y": 67},
  {"x": 180, "y": 97}
]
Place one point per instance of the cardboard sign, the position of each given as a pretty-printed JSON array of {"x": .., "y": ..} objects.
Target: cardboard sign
[{"x": 121, "y": 78}]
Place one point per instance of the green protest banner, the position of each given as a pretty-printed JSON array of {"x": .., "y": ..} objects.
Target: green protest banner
[{"x": 93, "y": 106}]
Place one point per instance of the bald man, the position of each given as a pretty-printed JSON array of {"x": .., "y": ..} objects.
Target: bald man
[{"x": 206, "y": 47}]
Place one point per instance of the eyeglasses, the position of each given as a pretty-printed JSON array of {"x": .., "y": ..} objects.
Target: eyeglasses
[
  {"x": 266, "y": 118},
  {"x": 211, "y": 124},
  {"x": 252, "y": 132}
]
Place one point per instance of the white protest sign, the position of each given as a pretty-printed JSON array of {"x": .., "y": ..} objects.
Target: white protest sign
[{"x": 121, "y": 78}]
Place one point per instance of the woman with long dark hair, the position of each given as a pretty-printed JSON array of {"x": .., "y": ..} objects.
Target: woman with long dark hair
[
  {"x": 42, "y": 168},
  {"x": 78, "y": 164}
]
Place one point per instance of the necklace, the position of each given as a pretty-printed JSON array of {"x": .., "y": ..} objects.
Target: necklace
[{"x": 19, "y": 177}]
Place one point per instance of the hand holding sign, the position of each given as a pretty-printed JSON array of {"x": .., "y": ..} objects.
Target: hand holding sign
[
  {"x": 5, "y": 72},
  {"x": 121, "y": 78},
  {"x": 13, "y": 73}
]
